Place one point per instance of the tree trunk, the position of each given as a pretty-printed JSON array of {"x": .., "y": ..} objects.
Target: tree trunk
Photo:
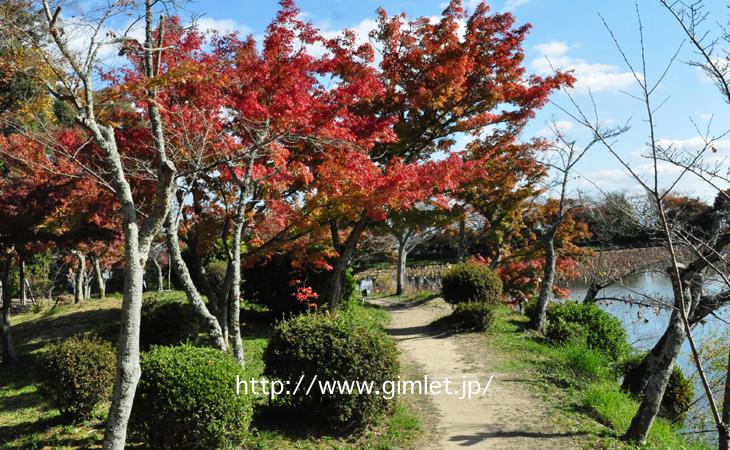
[
  {"x": 98, "y": 276},
  {"x": 80, "y": 274},
  {"x": 21, "y": 274},
  {"x": 401, "y": 269},
  {"x": 592, "y": 293},
  {"x": 87, "y": 286},
  {"x": 234, "y": 307},
  {"x": 8, "y": 352},
  {"x": 345, "y": 252},
  {"x": 158, "y": 269},
  {"x": 194, "y": 297},
  {"x": 539, "y": 318},
  {"x": 128, "y": 368},
  {"x": 724, "y": 442},
  {"x": 661, "y": 369},
  {"x": 461, "y": 243}
]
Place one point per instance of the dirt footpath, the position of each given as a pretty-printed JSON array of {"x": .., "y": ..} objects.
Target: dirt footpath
[{"x": 507, "y": 416}]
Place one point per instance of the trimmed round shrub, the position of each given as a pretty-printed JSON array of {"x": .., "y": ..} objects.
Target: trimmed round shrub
[
  {"x": 168, "y": 320},
  {"x": 468, "y": 317},
  {"x": 186, "y": 398},
  {"x": 602, "y": 331},
  {"x": 678, "y": 395},
  {"x": 77, "y": 373},
  {"x": 470, "y": 282},
  {"x": 332, "y": 349}
]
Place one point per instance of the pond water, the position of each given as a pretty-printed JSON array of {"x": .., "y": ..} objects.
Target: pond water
[{"x": 645, "y": 325}]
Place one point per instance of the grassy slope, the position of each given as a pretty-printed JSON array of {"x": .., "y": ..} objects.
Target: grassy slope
[
  {"x": 28, "y": 421},
  {"x": 577, "y": 384}
]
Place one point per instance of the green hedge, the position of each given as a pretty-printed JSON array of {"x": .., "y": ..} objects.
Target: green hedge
[
  {"x": 471, "y": 282},
  {"x": 601, "y": 330},
  {"x": 186, "y": 398},
  {"x": 333, "y": 349},
  {"x": 77, "y": 373},
  {"x": 168, "y": 319}
]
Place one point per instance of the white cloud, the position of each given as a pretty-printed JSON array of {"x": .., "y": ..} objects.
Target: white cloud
[
  {"x": 511, "y": 5},
  {"x": 595, "y": 77},
  {"x": 208, "y": 24},
  {"x": 361, "y": 30},
  {"x": 706, "y": 116}
]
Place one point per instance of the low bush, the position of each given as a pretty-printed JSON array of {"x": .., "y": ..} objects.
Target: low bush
[
  {"x": 678, "y": 396},
  {"x": 471, "y": 282},
  {"x": 468, "y": 317},
  {"x": 186, "y": 398},
  {"x": 167, "y": 320},
  {"x": 332, "y": 349},
  {"x": 601, "y": 330},
  {"x": 77, "y": 373}
]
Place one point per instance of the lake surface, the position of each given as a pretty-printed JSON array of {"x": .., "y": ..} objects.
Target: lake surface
[{"x": 645, "y": 325}]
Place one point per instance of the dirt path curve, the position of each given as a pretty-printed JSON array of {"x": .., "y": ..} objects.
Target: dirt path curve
[{"x": 506, "y": 417}]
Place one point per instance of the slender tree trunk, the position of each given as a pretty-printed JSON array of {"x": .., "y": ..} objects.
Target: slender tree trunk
[
  {"x": 234, "y": 308},
  {"x": 87, "y": 286},
  {"x": 401, "y": 269},
  {"x": 661, "y": 369},
  {"x": 345, "y": 252},
  {"x": 546, "y": 287},
  {"x": 158, "y": 269},
  {"x": 461, "y": 243},
  {"x": 194, "y": 297},
  {"x": 8, "y": 352},
  {"x": 725, "y": 432},
  {"x": 98, "y": 276},
  {"x": 21, "y": 274},
  {"x": 80, "y": 275},
  {"x": 128, "y": 368}
]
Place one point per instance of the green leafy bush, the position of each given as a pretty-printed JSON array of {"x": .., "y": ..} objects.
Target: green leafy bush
[
  {"x": 602, "y": 331},
  {"x": 561, "y": 332},
  {"x": 468, "y": 317},
  {"x": 77, "y": 373},
  {"x": 678, "y": 396},
  {"x": 471, "y": 282},
  {"x": 332, "y": 349},
  {"x": 186, "y": 398},
  {"x": 168, "y": 320}
]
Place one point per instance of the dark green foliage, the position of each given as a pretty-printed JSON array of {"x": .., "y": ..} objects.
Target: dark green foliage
[
  {"x": 186, "y": 398},
  {"x": 471, "y": 282},
  {"x": 678, "y": 396},
  {"x": 269, "y": 285},
  {"x": 216, "y": 271},
  {"x": 559, "y": 331},
  {"x": 333, "y": 349},
  {"x": 601, "y": 330},
  {"x": 167, "y": 320},
  {"x": 77, "y": 374},
  {"x": 468, "y": 317}
]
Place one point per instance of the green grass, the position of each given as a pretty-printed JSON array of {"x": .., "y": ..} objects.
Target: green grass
[
  {"x": 29, "y": 421},
  {"x": 580, "y": 385}
]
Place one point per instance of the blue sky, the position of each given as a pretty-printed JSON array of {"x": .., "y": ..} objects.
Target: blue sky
[{"x": 570, "y": 33}]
